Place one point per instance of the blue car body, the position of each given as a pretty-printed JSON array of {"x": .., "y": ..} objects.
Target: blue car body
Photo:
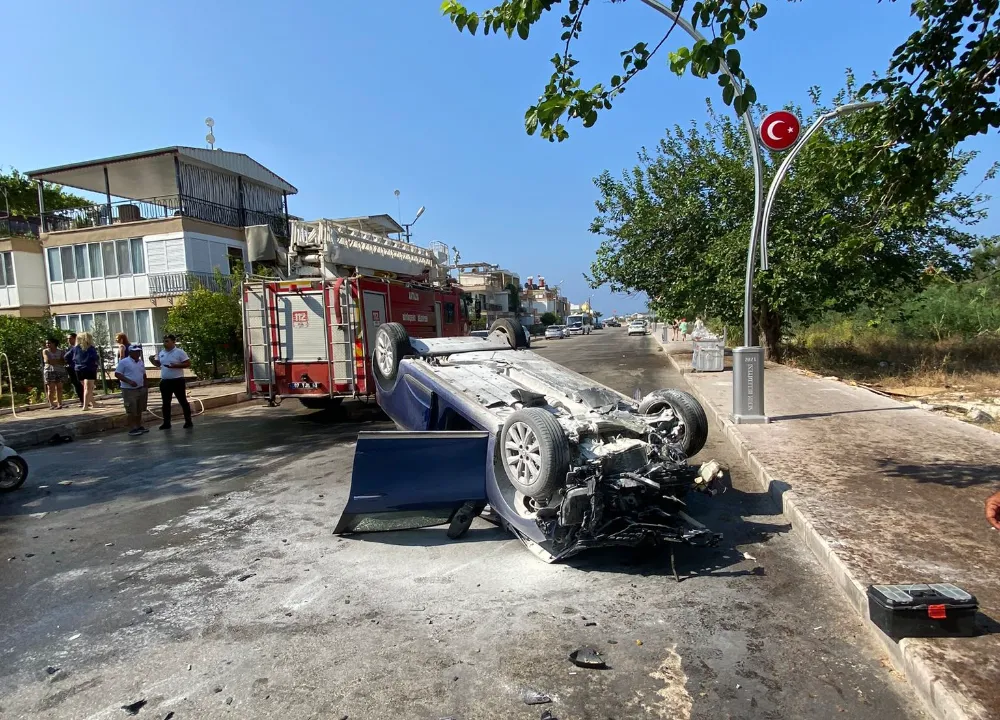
[{"x": 443, "y": 466}]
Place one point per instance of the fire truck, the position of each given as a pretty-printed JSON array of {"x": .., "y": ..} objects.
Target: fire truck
[{"x": 308, "y": 334}]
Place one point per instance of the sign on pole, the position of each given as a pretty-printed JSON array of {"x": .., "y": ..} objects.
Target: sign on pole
[{"x": 779, "y": 130}]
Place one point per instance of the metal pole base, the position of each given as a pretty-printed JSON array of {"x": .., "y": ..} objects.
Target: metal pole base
[{"x": 748, "y": 386}]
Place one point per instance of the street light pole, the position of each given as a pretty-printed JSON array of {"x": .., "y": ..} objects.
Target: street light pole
[
  {"x": 407, "y": 226},
  {"x": 748, "y": 361}
]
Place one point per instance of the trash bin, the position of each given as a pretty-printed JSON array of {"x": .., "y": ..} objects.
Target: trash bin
[{"x": 709, "y": 354}]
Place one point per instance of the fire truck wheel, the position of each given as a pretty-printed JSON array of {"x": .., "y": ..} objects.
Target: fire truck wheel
[
  {"x": 321, "y": 403},
  {"x": 392, "y": 344},
  {"x": 513, "y": 331}
]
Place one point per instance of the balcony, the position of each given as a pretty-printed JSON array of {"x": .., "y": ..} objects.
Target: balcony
[
  {"x": 158, "y": 208},
  {"x": 12, "y": 226},
  {"x": 179, "y": 283}
]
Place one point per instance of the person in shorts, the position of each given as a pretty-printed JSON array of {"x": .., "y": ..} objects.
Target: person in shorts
[
  {"x": 131, "y": 373},
  {"x": 54, "y": 373}
]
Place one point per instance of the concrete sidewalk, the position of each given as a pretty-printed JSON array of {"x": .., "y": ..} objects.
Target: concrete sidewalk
[
  {"x": 881, "y": 492},
  {"x": 37, "y": 426}
]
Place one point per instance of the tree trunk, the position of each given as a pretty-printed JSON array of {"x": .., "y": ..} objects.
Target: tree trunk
[{"x": 769, "y": 332}]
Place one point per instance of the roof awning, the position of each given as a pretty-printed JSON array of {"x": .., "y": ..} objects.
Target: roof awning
[{"x": 151, "y": 174}]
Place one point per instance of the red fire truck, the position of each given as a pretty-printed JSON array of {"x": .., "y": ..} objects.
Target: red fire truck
[{"x": 309, "y": 337}]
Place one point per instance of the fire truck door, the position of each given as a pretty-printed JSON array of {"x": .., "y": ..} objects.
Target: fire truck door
[
  {"x": 375, "y": 315},
  {"x": 303, "y": 336},
  {"x": 437, "y": 318}
]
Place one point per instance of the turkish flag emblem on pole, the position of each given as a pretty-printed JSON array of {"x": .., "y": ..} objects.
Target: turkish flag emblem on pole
[{"x": 779, "y": 130}]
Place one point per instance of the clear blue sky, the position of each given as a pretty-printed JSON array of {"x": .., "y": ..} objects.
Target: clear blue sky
[{"x": 350, "y": 100}]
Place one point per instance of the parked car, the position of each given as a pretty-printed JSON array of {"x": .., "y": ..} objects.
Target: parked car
[
  {"x": 637, "y": 327},
  {"x": 554, "y": 332},
  {"x": 564, "y": 463},
  {"x": 613, "y": 323}
]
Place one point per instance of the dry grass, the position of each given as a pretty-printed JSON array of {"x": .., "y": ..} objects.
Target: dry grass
[{"x": 963, "y": 366}]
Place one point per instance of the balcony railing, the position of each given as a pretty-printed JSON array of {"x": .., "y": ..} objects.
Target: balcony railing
[
  {"x": 127, "y": 211},
  {"x": 10, "y": 226},
  {"x": 167, "y": 284}
]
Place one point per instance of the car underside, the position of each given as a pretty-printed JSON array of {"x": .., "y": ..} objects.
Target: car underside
[{"x": 562, "y": 462}]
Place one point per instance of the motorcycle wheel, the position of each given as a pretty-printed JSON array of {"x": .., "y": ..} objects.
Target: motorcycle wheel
[{"x": 13, "y": 473}]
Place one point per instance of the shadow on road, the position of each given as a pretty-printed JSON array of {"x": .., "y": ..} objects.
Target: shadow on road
[
  {"x": 807, "y": 416},
  {"x": 952, "y": 474},
  {"x": 174, "y": 462}
]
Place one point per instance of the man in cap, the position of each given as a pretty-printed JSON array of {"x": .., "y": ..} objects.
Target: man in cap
[{"x": 131, "y": 373}]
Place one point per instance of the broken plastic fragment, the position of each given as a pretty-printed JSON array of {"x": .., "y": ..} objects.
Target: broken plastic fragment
[
  {"x": 536, "y": 698},
  {"x": 587, "y": 658},
  {"x": 748, "y": 556}
]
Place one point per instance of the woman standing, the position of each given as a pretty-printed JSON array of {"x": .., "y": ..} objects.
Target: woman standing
[
  {"x": 122, "y": 340},
  {"x": 85, "y": 362},
  {"x": 54, "y": 373}
]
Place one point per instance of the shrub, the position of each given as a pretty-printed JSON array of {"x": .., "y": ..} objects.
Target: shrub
[
  {"x": 210, "y": 326},
  {"x": 23, "y": 340}
]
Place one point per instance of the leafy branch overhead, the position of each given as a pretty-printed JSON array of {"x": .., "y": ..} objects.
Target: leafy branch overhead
[{"x": 723, "y": 22}]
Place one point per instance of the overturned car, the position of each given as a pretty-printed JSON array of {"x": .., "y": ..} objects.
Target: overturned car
[{"x": 563, "y": 463}]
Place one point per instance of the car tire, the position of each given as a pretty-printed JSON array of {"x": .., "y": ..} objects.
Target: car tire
[
  {"x": 321, "y": 403},
  {"x": 392, "y": 344},
  {"x": 509, "y": 328},
  {"x": 535, "y": 473},
  {"x": 13, "y": 473},
  {"x": 687, "y": 409}
]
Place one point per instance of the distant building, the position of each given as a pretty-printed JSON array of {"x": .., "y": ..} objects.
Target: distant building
[
  {"x": 537, "y": 298},
  {"x": 489, "y": 288},
  {"x": 22, "y": 269}
]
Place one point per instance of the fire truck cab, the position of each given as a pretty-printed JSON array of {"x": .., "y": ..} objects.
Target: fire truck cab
[{"x": 311, "y": 336}]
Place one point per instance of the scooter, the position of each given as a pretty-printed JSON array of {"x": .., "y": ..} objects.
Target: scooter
[{"x": 13, "y": 468}]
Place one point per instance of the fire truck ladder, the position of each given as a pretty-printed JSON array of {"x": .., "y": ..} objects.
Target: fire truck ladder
[
  {"x": 257, "y": 338},
  {"x": 340, "y": 336}
]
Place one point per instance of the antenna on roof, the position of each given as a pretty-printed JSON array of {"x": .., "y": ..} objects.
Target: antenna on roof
[{"x": 210, "y": 138}]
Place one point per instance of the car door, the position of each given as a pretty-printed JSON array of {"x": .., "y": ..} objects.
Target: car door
[{"x": 403, "y": 480}]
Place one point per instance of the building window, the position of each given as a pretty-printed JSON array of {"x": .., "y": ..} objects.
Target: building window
[
  {"x": 138, "y": 256},
  {"x": 80, "y": 255},
  {"x": 108, "y": 255},
  {"x": 55, "y": 269},
  {"x": 7, "y": 269},
  {"x": 96, "y": 266},
  {"x": 66, "y": 256},
  {"x": 144, "y": 329},
  {"x": 236, "y": 262},
  {"x": 124, "y": 257}
]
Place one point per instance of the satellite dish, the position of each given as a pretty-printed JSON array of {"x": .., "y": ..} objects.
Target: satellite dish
[
  {"x": 396, "y": 193},
  {"x": 210, "y": 122},
  {"x": 210, "y": 139}
]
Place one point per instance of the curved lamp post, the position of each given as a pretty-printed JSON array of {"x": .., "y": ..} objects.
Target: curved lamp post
[{"x": 758, "y": 175}]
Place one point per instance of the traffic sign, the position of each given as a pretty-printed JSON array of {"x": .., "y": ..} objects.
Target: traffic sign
[{"x": 779, "y": 130}]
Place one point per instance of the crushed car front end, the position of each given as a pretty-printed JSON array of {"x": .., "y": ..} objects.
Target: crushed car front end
[{"x": 565, "y": 464}]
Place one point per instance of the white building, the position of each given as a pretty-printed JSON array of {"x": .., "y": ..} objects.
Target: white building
[
  {"x": 23, "y": 292},
  {"x": 171, "y": 218}
]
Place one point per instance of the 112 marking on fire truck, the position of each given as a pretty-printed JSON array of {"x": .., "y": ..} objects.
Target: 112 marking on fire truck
[{"x": 300, "y": 319}]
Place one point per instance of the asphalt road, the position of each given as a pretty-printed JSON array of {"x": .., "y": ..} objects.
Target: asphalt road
[{"x": 197, "y": 571}]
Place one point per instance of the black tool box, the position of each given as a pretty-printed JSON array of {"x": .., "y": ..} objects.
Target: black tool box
[{"x": 935, "y": 610}]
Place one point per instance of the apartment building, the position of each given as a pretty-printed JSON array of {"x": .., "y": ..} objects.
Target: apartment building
[
  {"x": 22, "y": 272},
  {"x": 168, "y": 219},
  {"x": 539, "y": 298},
  {"x": 489, "y": 289}
]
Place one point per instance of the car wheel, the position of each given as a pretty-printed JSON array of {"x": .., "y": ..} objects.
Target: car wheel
[
  {"x": 392, "y": 344},
  {"x": 321, "y": 403},
  {"x": 13, "y": 473},
  {"x": 535, "y": 452},
  {"x": 515, "y": 336},
  {"x": 691, "y": 431}
]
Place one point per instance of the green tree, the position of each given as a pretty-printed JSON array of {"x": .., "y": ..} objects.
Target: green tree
[
  {"x": 20, "y": 193},
  {"x": 210, "y": 325},
  {"x": 675, "y": 227},
  {"x": 549, "y": 318},
  {"x": 514, "y": 296},
  {"x": 941, "y": 83},
  {"x": 22, "y": 340}
]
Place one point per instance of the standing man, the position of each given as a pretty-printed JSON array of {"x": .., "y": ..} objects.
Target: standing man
[
  {"x": 172, "y": 361},
  {"x": 70, "y": 358},
  {"x": 131, "y": 373}
]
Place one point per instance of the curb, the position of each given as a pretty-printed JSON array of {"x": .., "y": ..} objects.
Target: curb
[
  {"x": 940, "y": 701},
  {"x": 91, "y": 426}
]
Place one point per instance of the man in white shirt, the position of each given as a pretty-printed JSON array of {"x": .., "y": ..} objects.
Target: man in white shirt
[
  {"x": 172, "y": 361},
  {"x": 131, "y": 374}
]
